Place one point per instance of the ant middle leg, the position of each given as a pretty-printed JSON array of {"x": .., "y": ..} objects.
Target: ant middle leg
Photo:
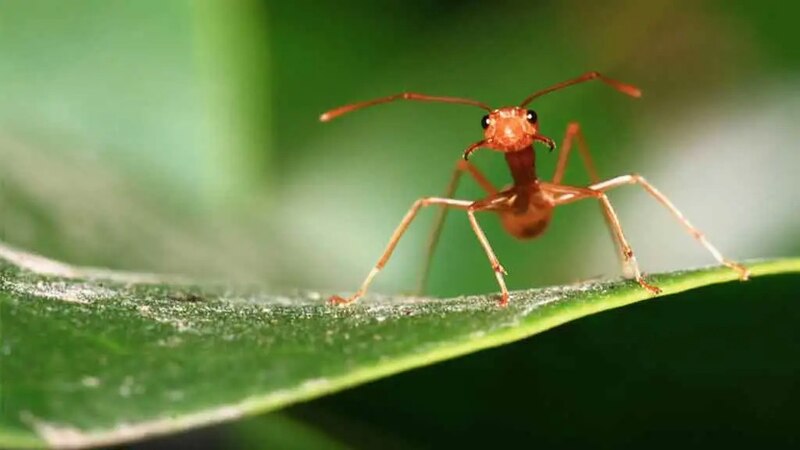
[
  {"x": 433, "y": 239},
  {"x": 568, "y": 194},
  {"x": 744, "y": 272},
  {"x": 398, "y": 233}
]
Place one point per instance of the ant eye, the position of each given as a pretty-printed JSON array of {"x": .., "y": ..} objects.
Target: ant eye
[
  {"x": 531, "y": 116},
  {"x": 485, "y": 122}
]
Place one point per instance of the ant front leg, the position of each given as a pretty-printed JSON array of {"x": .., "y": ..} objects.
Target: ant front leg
[
  {"x": 499, "y": 271},
  {"x": 572, "y": 136},
  {"x": 433, "y": 240},
  {"x": 744, "y": 272},
  {"x": 398, "y": 233},
  {"x": 568, "y": 194}
]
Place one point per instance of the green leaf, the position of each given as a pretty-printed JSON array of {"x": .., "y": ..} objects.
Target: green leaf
[{"x": 93, "y": 357}]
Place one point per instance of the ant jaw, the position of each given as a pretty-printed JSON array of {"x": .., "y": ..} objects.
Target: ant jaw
[
  {"x": 475, "y": 146},
  {"x": 490, "y": 143},
  {"x": 551, "y": 144}
]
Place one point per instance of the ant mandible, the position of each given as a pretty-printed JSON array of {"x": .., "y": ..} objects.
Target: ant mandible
[{"x": 526, "y": 207}]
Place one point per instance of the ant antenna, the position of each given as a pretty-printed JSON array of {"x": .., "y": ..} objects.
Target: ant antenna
[
  {"x": 627, "y": 89},
  {"x": 334, "y": 113}
]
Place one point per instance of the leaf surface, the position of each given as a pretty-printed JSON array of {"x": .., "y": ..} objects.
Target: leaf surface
[{"x": 93, "y": 357}]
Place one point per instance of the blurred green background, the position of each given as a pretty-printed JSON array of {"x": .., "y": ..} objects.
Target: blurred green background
[{"x": 182, "y": 136}]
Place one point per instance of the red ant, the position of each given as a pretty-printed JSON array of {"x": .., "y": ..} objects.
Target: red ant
[{"x": 526, "y": 207}]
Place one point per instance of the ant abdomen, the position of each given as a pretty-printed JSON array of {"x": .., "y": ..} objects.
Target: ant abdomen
[
  {"x": 527, "y": 225},
  {"x": 529, "y": 219}
]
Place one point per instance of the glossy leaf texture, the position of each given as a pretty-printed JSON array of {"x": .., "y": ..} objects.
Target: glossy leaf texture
[{"x": 91, "y": 357}]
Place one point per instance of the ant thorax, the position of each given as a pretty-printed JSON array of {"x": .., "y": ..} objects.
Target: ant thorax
[{"x": 510, "y": 129}]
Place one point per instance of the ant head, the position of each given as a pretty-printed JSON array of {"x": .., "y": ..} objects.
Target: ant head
[{"x": 510, "y": 129}]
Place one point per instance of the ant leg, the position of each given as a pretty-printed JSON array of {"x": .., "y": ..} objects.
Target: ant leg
[
  {"x": 499, "y": 271},
  {"x": 744, "y": 272},
  {"x": 398, "y": 233},
  {"x": 569, "y": 194},
  {"x": 433, "y": 239},
  {"x": 573, "y": 134}
]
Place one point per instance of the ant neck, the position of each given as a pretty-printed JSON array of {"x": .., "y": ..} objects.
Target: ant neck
[{"x": 522, "y": 164}]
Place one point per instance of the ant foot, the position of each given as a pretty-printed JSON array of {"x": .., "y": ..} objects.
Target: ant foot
[
  {"x": 503, "y": 300},
  {"x": 655, "y": 290},
  {"x": 500, "y": 269},
  {"x": 744, "y": 272},
  {"x": 341, "y": 301}
]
